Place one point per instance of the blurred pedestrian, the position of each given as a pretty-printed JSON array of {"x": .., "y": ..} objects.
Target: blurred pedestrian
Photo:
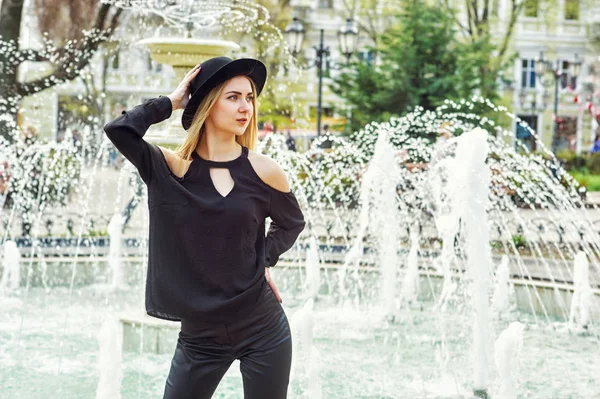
[
  {"x": 290, "y": 141},
  {"x": 596, "y": 146}
]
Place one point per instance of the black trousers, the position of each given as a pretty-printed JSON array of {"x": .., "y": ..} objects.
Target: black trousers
[{"x": 261, "y": 340}]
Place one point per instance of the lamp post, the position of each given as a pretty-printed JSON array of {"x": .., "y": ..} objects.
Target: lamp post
[
  {"x": 348, "y": 38},
  {"x": 535, "y": 107},
  {"x": 530, "y": 101},
  {"x": 541, "y": 67}
]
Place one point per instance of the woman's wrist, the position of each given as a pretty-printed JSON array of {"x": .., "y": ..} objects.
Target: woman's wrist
[{"x": 173, "y": 102}]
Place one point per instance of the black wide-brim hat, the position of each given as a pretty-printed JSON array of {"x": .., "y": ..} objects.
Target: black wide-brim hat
[{"x": 215, "y": 71}]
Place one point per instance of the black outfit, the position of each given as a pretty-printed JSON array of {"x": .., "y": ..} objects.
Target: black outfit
[
  {"x": 207, "y": 252},
  {"x": 261, "y": 340},
  {"x": 291, "y": 143}
]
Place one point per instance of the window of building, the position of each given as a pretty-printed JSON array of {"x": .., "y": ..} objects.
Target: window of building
[
  {"x": 532, "y": 8},
  {"x": 566, "y": 133},
  {"x": 523, "y": 134},
  {"x": 325, "y": 3},
  {"x": 494, "y": 8},
  {"x": 114, "y": 62},
  {"x": 566, "y": 80},
  {"x": 366, "y": 55},
  {"x": 528, "y": 73},
  {"x": 572, "y": 9},
  {"x": 325, "y": 112}
]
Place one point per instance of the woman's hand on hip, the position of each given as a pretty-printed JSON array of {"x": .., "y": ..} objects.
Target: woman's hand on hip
[
  {"x": 272, "y": 284},
  {"x": 181, "y": 95}
]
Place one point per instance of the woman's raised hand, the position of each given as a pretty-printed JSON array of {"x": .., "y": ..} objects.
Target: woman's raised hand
[{"x": 181, "y": 95}]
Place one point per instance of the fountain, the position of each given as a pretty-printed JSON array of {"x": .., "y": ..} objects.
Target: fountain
[
  {"x": 503, "y": 289},
  {"x": 410, "y": 284},
  {"x": 471, "y": 181},
  {"x": 313, "y": 270},
  {"x": 387, "y": 291},
  {"x": 114, "y": 253},
  {"x": 11, "y": 276},
  {"x": 582, "y": 295},
  {"x": 305, "y": 363},
  {"x": 507, "y": 352},
  {"x": 109, "y": 360}
]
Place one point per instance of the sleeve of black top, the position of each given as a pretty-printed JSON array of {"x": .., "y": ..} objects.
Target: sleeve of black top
[
  {"x": 287, "y": 222},
  {"x": 127, "y": 130}
]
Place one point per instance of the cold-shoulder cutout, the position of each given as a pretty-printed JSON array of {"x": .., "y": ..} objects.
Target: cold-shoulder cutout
[
  {"x": 177, "y": 166},
  {"x": 269, "y": 172}
]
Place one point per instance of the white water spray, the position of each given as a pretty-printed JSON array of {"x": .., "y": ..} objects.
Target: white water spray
[
  {"x": 502, "y": 288},
  {"x": 11, "y": 275},
  {"x": 410, "y": 284},
  {"x": 109, "y": 360},
  {"x": 115, "y": 227},
  {"x": 507, "y": 351},
  {"x": 313, "y": 270},
  {"x": 582, "y": 295}
]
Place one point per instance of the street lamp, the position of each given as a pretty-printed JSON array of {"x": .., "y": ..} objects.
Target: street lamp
[
  {"x": 541, "y": 66},
  {"x": 535, "y": 107},
  {"x": 348, "y": 40},
  {"x": 530, "y": 101}
]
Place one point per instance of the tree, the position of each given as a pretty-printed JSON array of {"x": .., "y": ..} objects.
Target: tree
[
  {"x": 421, "y": 63},
  {"x": 266, "y": 43},
  {"x": 477, "y": 31},
  {"x": 71, "y": 41},
  {"x": 372, "y": 16}
]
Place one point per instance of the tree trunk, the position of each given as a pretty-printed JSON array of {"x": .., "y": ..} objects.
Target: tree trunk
[
  {"x": 11, "y": 12},
  {"x": 68, "y": 60}
]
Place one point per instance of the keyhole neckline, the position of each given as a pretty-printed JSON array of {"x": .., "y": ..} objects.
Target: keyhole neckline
[{"x": 221, "y": 164}]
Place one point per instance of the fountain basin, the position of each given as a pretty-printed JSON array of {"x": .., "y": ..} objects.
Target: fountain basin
[
  {"x": 145, "y": 334},
  {"x": 530, "y": 296},
  {"x": 186, "y": 52},
  {"x": 361, "y": 355}
]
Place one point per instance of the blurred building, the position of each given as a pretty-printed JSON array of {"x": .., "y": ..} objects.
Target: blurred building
[{"x": 561, "y": 29}]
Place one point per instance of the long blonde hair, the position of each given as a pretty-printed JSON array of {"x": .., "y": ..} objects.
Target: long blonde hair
[{"x": 197, "y": 129}]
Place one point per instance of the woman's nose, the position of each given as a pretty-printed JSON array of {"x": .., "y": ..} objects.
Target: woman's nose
[{"x": 244, "y": 106}]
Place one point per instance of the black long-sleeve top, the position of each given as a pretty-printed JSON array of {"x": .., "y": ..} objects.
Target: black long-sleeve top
[{"x": 207, "y": 252}]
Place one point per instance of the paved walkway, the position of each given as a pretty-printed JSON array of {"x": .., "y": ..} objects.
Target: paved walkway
[{"x": 593, "y": 198}]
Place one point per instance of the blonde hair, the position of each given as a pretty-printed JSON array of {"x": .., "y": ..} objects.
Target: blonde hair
[{"x": 197, "y": 129}]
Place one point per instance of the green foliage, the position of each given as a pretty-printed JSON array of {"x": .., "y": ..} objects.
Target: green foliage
[
  {"x": 276, "y": 104},
  {"x": 44, "y": 176},
  {"x": 421, "y": 63},
  {"x": 584, "y": 169},
  {"x": 571, "y": 161},
  {"x": 593, "y": 164},
  {"x": 590, "y": 182},
  {"x": 531, "y": 8},
  {"x": 519, "y": 241},
  {"x": 95, "y": 233},
  {"x": 572, "y": 9}
]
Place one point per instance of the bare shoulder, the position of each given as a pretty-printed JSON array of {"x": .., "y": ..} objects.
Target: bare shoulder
[
  {"x": 169, "y": 155},
  {"x": 269, "y": 171},
  {"x": 175, "y": 163}
]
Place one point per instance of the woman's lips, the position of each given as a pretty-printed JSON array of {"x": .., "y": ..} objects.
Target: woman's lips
[{"x": 242, "y": 121}]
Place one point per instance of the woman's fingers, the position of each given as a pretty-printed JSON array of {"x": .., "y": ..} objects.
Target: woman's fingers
[
  {"x": 191, "y": 71},
  {"x": 275, "y": 291},
  {"x": 272, "y": 284}
]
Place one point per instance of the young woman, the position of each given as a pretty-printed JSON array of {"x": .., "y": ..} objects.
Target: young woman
[{"x": 209, "y": 259}]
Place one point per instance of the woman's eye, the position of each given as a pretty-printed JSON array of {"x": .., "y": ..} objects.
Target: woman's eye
[{"x": 234, "y": 96}]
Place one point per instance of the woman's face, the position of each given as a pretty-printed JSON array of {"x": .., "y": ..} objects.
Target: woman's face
[{"x": 233, "y": 110}]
